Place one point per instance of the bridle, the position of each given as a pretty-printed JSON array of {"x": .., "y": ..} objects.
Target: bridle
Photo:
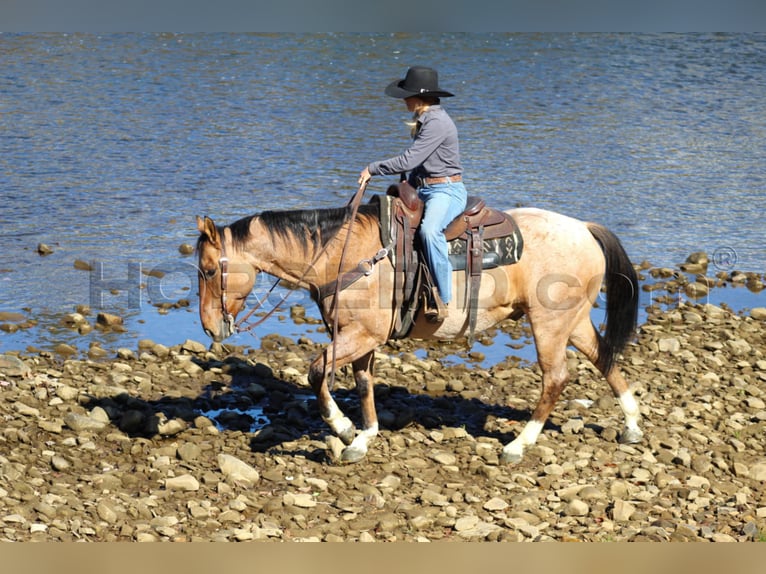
[
  {"x": 364, "y": 268},
  {"x": 223, "y": 264},
  {"x": 228, "y": 318}
]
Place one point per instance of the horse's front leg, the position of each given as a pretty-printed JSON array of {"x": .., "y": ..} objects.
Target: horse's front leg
[
  {"x": 363, "y": 375},
  {"x": 339, "y": 423},
  {"x": 351, "y": 344}
]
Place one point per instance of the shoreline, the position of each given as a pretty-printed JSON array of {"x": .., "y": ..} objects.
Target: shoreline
[
  {"x": 165, "y": 443},
  {"x": 98, "y": 333}
]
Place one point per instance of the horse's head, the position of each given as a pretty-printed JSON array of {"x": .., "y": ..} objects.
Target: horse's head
[{"x": 225, "y": 280}]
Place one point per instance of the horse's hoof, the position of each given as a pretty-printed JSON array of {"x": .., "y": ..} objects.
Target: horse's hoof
[
  {"x": 510, "y": 458},
  {"x": 348, "y": 435},
  {"x": 351, "y": 455},
  {"x": 631, "y": 436}
]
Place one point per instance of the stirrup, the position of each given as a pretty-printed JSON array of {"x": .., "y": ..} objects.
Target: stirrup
[{"x": 435, "y": 310}]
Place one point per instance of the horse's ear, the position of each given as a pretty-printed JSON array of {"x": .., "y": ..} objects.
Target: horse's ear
[{"x": 207, "y": 227}]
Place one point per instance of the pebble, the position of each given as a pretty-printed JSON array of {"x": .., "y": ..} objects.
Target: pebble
[{"x": 432, "y": 474}]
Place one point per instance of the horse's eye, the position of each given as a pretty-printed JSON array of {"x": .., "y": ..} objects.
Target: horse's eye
[{"x": 209, "y": 273}]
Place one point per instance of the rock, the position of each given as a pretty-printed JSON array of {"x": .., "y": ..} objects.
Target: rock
[
  {"x": 758, "y": 313},
  {"x": 317, "y": 483},
  {"x": 79, "y": 423},
  {"x": 189, "y": 451},
  {"x": 11, "y": 366},
  {"x": 495, "y": 504},
  {"x": 106, "y": 511},
  {"x": 193, "y": 347},
  {"x": 185, "y": 249},
  {"x": 434, "y": 498},
  {"x": 699, "y": 474},
  {"x": 466, "y": 523},
  {"x": 758, "y": 471},
  {"x": 73, "y": 320},
  {"x": 301, "y": 500},
  {"x": 26, "y": 410},
  {"x": 669, "y": 345},
  {"x": 82, "y": 265},
  {"x": 171, "y": 427},
  {"x": 108, "y": 320},
  {"x": 442, "y": 457},
  {"x": 44, "y": 249},
  {"x": 65, "y": 350},
  {"x": 237, "y": 470},
  {"x": 335, "y": 445},
  {"x": 577, "y": 508},
  {"x": 184, "y": 482},
  {"x": 697, "y": 289},
  {"x": 480, "y": 531},
  {"x": 698, "y": 257},
  {"x": 622, "y": 510},
  {"x": 59, "y": 463}
]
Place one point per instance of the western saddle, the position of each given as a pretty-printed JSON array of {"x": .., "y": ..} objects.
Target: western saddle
[{"x": 401, "y": 212}]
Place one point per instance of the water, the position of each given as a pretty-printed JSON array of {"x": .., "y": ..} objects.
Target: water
[{"x": 111, "y": 145}]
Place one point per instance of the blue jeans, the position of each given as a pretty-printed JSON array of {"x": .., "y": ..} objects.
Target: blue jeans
[{"x": 443, "y": 203}]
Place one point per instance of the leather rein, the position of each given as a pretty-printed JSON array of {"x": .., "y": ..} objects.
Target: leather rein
[{"x": 364, "y": 268}]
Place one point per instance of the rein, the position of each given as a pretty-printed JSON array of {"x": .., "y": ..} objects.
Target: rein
[
  {"x": 241, "y": 327},
  {"x": 354, "y": 202}
]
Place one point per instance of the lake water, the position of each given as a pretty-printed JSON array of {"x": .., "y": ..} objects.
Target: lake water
[{"x": 111, "y": 145}]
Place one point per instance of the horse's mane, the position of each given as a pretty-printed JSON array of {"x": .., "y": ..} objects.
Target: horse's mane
[{"x": 309, "y": 227}]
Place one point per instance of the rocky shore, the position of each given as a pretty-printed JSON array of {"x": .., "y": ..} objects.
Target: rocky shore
[{"x": 189, "y": 443}]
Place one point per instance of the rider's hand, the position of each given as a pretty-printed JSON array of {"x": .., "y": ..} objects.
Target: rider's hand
[{"x": 364, "y": 177}]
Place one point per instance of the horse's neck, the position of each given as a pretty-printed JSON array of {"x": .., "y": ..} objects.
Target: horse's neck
[{"x": 288, "y": 260}]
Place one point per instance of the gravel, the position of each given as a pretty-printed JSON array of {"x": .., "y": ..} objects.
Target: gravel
[{"x": 188, "y": 443}]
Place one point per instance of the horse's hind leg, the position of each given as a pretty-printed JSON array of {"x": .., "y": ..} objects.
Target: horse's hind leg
[
  {"x": 551, "y": 355},
  {"x": 588, "y": 341}
]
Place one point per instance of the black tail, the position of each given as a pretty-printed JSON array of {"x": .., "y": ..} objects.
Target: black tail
[{"x": 621, "y": 296}]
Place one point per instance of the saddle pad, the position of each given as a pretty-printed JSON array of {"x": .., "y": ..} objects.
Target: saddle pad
[{"x": 496, "y": 252}]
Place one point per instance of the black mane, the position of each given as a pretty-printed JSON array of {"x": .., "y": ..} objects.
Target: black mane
[{"x": 310, "y": 227}]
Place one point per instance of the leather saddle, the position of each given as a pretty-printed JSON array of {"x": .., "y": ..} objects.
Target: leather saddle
[{"x": 479, "y": 238}]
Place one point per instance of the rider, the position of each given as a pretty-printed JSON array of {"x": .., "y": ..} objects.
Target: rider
[{"x": 436, "y": 172}]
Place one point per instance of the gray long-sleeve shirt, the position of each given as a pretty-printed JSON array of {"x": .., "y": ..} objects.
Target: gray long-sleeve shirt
[{"x": 434, "y": 151}]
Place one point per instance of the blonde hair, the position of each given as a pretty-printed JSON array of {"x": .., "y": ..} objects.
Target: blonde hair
[{"x": 425, "y": 102}]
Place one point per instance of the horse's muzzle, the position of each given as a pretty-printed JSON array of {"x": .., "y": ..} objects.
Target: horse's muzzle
[{"x": 226, "y": 329}]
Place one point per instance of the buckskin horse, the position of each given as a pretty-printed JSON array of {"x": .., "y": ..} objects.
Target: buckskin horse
[{"x": 555, "y": 283}]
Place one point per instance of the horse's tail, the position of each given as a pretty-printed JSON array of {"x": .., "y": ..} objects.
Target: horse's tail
[{"x": 621, "y": 296}]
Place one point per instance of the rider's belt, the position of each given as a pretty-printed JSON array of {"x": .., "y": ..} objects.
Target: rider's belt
[{"x": 421, "y": 181}]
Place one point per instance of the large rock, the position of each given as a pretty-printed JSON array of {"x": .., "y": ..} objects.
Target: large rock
[{"x": 237, "y": 470}]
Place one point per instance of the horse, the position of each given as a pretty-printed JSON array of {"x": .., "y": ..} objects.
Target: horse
[{"x": 555, "y": 284}]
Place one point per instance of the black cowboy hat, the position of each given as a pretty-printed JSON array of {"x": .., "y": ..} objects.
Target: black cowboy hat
[{"x": 419, "y": 81}]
